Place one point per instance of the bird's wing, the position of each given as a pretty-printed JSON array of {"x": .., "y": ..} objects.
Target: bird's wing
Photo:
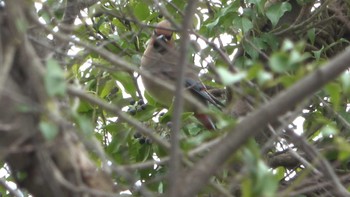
[{"x": 198, "y": 89}]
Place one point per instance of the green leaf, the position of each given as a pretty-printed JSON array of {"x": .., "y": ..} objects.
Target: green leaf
[
  {"x": 345, "y": 81},
  {"x": 150, "y": 99},
  {"x": 179, "y": 3},
  {"x": 84, "y": 107},
  {"x": 146, "y": 113},
  {"x": 141, "y": 10},
  {"x": 279, "y": 62},
  {"x": 276, "y": 11},
  {"x": 213, "y": 24},
  {"x": 280, "y": 173},
  {"x": 311, "y": 35},
  {"x": 264, "y": 77},
  {"x": 345, "y": 114},
  {"x": 115, "y": 127},
  {"x": 165, "y": 118},
  {"x": 85, "y": 124},
  {"x": 328, "y": 130},
  {"x": 144, "y": 153},
  {"x": 317, "y": 54},
  {"x": 246, "y": 24},
  {"x": 107, "y": 88},
  {"x": 334, "y": 90},
  {"x": 343, "y": 147},
  {"x": 287, "y": 45},
  {"x": 270, "y": 40},
  {"x": 224, "y": 18},
  {"x": 127, "y": 81},
  {"x": 258, "y": 72},
  {"x": 287, "y": 80},
  {"x": 247, "y": 185},
  {"x": 54, "y": 79},
  {"x": 253, "y": 47},
  {"x": 229, "y": 78},
  {"x": 44, "y": 15},
  {"x": 193, "y": 129},
  {"x": 160, "y": 188},
  {"x": 48, "y": 130},
  {"x": 259, "y": 4},
  {"x": 198, "y": 137},
  {"x": 265, "y": 182}
]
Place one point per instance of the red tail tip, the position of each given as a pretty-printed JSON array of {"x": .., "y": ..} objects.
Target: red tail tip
[{"x": 206, "y": 121}]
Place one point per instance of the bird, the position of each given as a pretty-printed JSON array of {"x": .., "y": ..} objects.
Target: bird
[{"x": 160, "y": 59}]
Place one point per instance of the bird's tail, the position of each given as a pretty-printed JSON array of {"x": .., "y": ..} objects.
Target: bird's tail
[{"x": 206, "y": 120}]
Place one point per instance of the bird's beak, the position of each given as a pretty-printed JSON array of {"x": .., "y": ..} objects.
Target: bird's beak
[
  {"x": 161, "y": 38},
  {"x": 160, "y": 43}
]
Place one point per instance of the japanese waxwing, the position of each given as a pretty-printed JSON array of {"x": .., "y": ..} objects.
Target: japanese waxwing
[{"x": 160, "y": 59}]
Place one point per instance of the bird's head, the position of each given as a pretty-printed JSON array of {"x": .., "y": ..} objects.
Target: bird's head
[{"x": 162, "y": 36}]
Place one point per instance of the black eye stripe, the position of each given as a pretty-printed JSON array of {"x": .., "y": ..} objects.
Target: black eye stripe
[{"x": 167, "y": 37}]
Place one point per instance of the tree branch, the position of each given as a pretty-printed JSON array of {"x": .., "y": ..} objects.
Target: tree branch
[
  {"x": 13, "y": 192},
  {"x": 114, "y": 109},
  {"x": 253, "y": 123},
  {"x": 323, "y": 164},
  {"x": 175, "y": 152}
]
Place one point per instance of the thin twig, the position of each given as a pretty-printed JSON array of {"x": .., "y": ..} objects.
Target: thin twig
[
  {"x": 252, "y": 123},
  {"x": 302, "y": 25},
  {"x": 126, "y": 66},
  {"x": 339, "y": 117},
  {"x": 312, "y": 186},
  {"x": 325, "y": 166},
  {"x": 6, "y": 65},
  {"x": 122, "y": 115},
  {"x": 175, "y": 152},
  {"x": 223, "y": 55},
  {"x": 12, "y": 191}
]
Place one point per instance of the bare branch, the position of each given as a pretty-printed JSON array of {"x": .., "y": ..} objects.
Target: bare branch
[
  {"x": 323, "y": 164},
  {"x": 174, "y": 176},
  {"x": 252, "y": 124},
  {"x": 13, "y": 192}
]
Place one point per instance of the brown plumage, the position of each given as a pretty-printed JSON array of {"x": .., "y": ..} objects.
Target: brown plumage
[{"x": 161, "y": 60}]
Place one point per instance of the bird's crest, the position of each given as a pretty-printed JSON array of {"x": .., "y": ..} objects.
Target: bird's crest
[{"x": 164, "y": 28}]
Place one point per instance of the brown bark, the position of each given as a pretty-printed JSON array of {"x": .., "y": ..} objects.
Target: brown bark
[{"x": 58, "y": 167}]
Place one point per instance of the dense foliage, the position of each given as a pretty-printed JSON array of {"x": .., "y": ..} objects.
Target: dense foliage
[{"x": 274, "y": 139}]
